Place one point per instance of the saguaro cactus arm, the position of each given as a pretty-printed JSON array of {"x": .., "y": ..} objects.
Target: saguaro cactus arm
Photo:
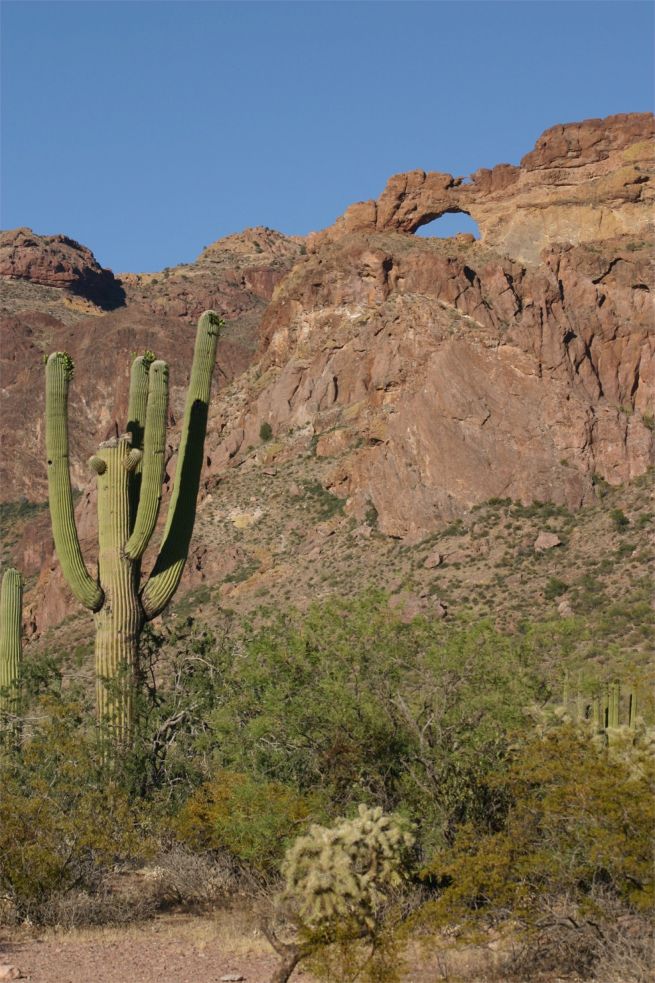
[
  {"x": 154, "y": 447},
  {"x": 59, "y": 369},
  {"x": 169, "y": 565},
  {"x": 138, "y": 399},
  {"x": 11, "y": 604}
]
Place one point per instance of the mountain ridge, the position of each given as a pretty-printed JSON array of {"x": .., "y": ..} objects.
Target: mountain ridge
[{"x": 410, "y": 379}]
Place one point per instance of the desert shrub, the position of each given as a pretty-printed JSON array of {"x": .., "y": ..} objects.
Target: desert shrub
[
  {"x": 64, "y": 819},
  {"x": 614, "y": 949},
  {"x": 555, "y": 588},
  {"x": 349, "y": 700},
  {"x": 328, "y": 504},
  {"x": 265, "y": 432},
  {"x": 180, "y": 665},
  {"x": 252, "y": 819},
  {"x": 620, "y": 519},
  {"x": 101, "y": 905},
  {"x": 180, "y": 876},
  {"x": 575, "y": 844}
]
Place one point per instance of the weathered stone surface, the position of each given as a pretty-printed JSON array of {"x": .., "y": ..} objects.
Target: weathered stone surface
[
  {"x": 546, "y": 541},
  {"x": 465, "y": 373},
  {"x": 433, "y": 559},
  {"x": 583, "y": 182},
  {"x": 57, "y": 261},
  {"x": 9, "y": 972}
]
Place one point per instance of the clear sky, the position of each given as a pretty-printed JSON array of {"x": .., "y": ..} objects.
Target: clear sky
[{"x": 147, "y": 130}]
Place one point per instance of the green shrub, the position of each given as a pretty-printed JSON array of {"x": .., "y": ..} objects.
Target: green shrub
[
  {"x": 348, "y": 700},
  {"x": 329, "y": 504},
  {"x": 265, "y": 432},
  {"x": 555, "y": 588},
  {"x": 63, "y": 819},
  {"x": 254, "y": 820},
  {"x": 620, "y": 519},
  {"x": 579, "y": 822}
]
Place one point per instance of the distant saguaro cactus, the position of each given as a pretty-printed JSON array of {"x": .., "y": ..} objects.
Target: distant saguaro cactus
[
  {"x": 130, "y": 470},
  {"x": 11, "y": 606}
]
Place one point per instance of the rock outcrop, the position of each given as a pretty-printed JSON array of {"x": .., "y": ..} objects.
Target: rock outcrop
[
  {"x": 446, "y": 372},
  {"x": 41, "y": 312},
  {"x": 587, "y": 181},
  {"x": 57, "y": 261}
]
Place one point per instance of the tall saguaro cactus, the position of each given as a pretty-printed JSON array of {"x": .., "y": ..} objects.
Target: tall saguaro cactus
[
  {"x": 130, "y": 471},
  {"x": 11, "y": 605}
]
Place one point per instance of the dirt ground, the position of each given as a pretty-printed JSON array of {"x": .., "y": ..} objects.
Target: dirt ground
[
  {"x": 169, "y": 949},
  {"x": 182, "y": 948}
]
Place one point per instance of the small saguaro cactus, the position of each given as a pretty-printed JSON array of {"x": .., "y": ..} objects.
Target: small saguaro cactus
[
  {"x": 11, "y": 606},
  {"x": 130, "y": 470}
]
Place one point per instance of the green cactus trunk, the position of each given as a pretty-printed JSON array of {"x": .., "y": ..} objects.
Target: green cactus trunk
[
  {"x": 120, "y": 619},
  {"x": 130, "y": 470},
  {"x": 632, "y": 709},
  {"x": 11, "y": 604},
  {"x": 613, "y": 708}
]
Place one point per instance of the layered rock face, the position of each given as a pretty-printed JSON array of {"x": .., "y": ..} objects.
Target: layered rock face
[
  {"x": 57, "y": 261},
  {"x": 441, "y": 373},
  {"x": 583, "y": 182}
]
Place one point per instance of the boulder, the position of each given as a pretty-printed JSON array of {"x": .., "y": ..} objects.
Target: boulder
[{"x": 546, "y": 541}]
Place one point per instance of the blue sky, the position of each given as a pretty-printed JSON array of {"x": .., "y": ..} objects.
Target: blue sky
[{"x": 148, "y": 129}]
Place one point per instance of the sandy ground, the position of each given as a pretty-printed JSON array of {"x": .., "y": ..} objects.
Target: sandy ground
[
  {"x": 183, "y": 948},
  {"x": 170, "y": 949}
]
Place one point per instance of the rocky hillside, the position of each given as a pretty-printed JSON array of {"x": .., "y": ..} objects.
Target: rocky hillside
[
  {"x": 55, "y": 296},
  {"x": 406, "y": 382}
]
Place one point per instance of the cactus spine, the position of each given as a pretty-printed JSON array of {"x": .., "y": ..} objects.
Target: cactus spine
[
  {"x": 129, "y": 470},
  {"x": 11, "y": 606}
]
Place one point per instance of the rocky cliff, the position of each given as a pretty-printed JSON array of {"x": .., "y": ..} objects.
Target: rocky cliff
[
  {"x": 415, "y": 378},
  {"x": 441, "y": 373}
]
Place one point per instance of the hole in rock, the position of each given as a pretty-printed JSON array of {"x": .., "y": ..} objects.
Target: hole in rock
[{"x": 449, "y": 225}]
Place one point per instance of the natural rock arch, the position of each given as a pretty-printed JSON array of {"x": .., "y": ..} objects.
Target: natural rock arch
[{"x": 448, "y": 224}]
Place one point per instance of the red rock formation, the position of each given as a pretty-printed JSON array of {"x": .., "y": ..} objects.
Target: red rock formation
[
  {"x": 236, "y": 275},
  {"x": 436, "y": 373},
  {"x": 465, "y": 373},
  {"x": 57, "y": 261},
  {"x": 583, "y": 181}
]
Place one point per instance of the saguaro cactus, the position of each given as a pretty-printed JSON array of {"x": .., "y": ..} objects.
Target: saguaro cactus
[
  {"x": 130, "y": 470},
  {"x": 11, "y": 604}
]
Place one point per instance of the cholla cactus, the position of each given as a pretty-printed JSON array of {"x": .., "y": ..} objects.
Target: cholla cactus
[
  {"x": 342, "y": 875},
  {"x": 130, "y": 470},
  {"x": 11, "y": 596}
]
